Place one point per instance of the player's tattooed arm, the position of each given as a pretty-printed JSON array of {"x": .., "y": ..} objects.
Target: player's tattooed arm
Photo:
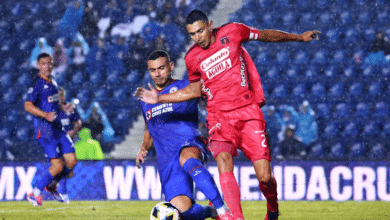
[
  {"x": 147, "y": 144},
  {"x": 31, "y": 108},
  {"x": 281, "y": 36}
]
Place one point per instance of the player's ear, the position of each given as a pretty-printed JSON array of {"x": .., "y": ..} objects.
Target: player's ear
[
  {"x": 211, "y": 25},
  {"x": 172, "y": 65}
]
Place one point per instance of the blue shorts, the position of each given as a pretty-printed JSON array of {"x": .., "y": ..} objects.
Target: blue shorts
[
  {"x": 56, "y": 147},
  {"x": 175, "y": 181}
]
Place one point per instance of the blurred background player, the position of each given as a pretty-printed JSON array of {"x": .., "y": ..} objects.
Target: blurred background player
[
  {"x": 43, "y": 102},
  {"x": 172, "y": 129},
  {"x": 71, "y": 123},
  {"x": 234, "y": 116}
]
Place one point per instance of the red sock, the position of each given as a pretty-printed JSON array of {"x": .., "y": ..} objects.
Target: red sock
[
  {"x": 231, "y": 193},
  {"x": 270, "y": 194}
]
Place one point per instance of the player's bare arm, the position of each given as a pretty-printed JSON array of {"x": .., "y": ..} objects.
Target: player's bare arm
[
  {"x": 280, "y": 36},
  {"x": 147, "y": 144},
  {"x": 77, "y": 125},
  {"x": 192, "y": 91},
  {"x": 31, "y": 108}
]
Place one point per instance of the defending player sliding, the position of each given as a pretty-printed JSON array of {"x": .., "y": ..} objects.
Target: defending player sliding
[
  {"x": 219, "y": 67},
  {"x": 172, "y": 128}
]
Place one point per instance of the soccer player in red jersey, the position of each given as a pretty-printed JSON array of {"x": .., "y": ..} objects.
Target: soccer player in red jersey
[{"x": 219, "y": 67}]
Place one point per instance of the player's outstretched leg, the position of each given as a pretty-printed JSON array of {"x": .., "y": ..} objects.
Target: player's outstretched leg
[
  {"x": 199, "y": 212},
  {"x": 203, "y": 180}
]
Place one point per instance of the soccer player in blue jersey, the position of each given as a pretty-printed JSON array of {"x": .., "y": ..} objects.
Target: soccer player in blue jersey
[
  {"x": 172, "y": 129},
  {"x": 71, "y": 123},
  {"x": 43, "y": 102}
]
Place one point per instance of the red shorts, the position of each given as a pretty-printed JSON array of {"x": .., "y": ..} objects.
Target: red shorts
[{"x": 242, "y": 129}]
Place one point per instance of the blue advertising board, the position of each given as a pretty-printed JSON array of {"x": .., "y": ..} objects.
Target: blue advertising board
[{"x": 121, "y": 180}]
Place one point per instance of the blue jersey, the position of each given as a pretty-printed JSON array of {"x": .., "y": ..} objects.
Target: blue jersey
[
  {"x": 44, "y": 95},
  {"x": 171, "y": 125},
  {"x": 67, "y": 120}
]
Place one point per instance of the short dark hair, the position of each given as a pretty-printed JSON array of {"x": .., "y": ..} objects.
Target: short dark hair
[
  {"x": 157, "y": 54},
  {"x": 43, "y": 55},
  {"x": 196, "y": 15}
]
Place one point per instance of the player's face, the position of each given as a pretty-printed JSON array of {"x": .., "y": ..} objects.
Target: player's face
[
  {"x": 45, "y": 66},
  {"x": 160, "y": 71},
  {"x": 202, "y": 33}
]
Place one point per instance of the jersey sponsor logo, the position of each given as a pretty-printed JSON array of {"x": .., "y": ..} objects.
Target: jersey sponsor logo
[
  {"x": 173, "y": 89},
  {"x": 242, "y": 72},
  {"x": 45, "y": 86},
  {"x": 261, "y": 131},
  {"x": 30, "y": 90},
  {"x": 53, "y": 98},
  {"x": 158, "y": 110},
  {"x": 216, "y": 63}
]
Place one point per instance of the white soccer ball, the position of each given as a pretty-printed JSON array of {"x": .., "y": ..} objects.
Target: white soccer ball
[{"x": 165, "y": 211}]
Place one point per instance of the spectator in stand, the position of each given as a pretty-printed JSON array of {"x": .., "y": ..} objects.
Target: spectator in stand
[
  {"x": 110, "y": 17},
  {"x": 41, "y": 46},
  {"x": 274, "y": 125},
  {"x": 95, "y": 59},
  {"x": 287, "y": 120},
  {"x": 151, "y": 29},
  {"x": 129, "y": 10},
  {"x": 173, "y": 34},
  {"x": 306, "y": 130},
  {"x": 71, "y": 21},
  {"x": 77, "y": 55},
  {"x": 96, "y": 120},
  {"x": 88, "y": 148},
  {"x": 60, "y": 58},
  {"x": 115, "y": 56},
  {"x": 291, "y": 148},
  {"x": 89, "y": 26},
  {"x": 137, "y": 52},
  {"x": 381, "y": 43},
  {"x": 166, "y": 9}
]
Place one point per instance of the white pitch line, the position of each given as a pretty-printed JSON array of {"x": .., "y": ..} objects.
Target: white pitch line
[{"x": 49, "y": 209}]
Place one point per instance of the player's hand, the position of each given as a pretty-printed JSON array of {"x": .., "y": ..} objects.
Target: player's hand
[
  {"x": 140, "y": 157},
  {"x": 51, "y": 116},
  {"x": 310, "y": 35},
  {"x": 148, "y": 96},
  {"x": 69, "y": 108}
]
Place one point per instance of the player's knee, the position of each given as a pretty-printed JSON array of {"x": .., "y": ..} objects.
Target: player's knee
[
  {"x": 225, "y": 162},
  {"x": 190, "y": 152},
  {"x": 265, "y": 177}
]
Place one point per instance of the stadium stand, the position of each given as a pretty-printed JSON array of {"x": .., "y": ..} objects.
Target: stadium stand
[
  {"x": 351, "y": 100},
  {"x": 23, "y": 22}
]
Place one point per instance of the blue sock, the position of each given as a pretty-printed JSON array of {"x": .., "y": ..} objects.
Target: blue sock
[
  {"x": 197, "y": 212},
  {"x": 65, "y": 171},
  {"x": 204, "y": 181},
  {"x": 62, "y": 189},
  {"x": 45, "y": 180}
]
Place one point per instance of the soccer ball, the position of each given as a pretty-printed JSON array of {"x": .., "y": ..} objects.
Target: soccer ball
[{"x": 165, "y": 211}]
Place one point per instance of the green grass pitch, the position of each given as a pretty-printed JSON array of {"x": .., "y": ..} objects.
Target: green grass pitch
[{"x": 253, "y": 210}]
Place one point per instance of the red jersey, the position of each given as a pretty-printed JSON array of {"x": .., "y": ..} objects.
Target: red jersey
[{"x": 228, "y": 75}]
